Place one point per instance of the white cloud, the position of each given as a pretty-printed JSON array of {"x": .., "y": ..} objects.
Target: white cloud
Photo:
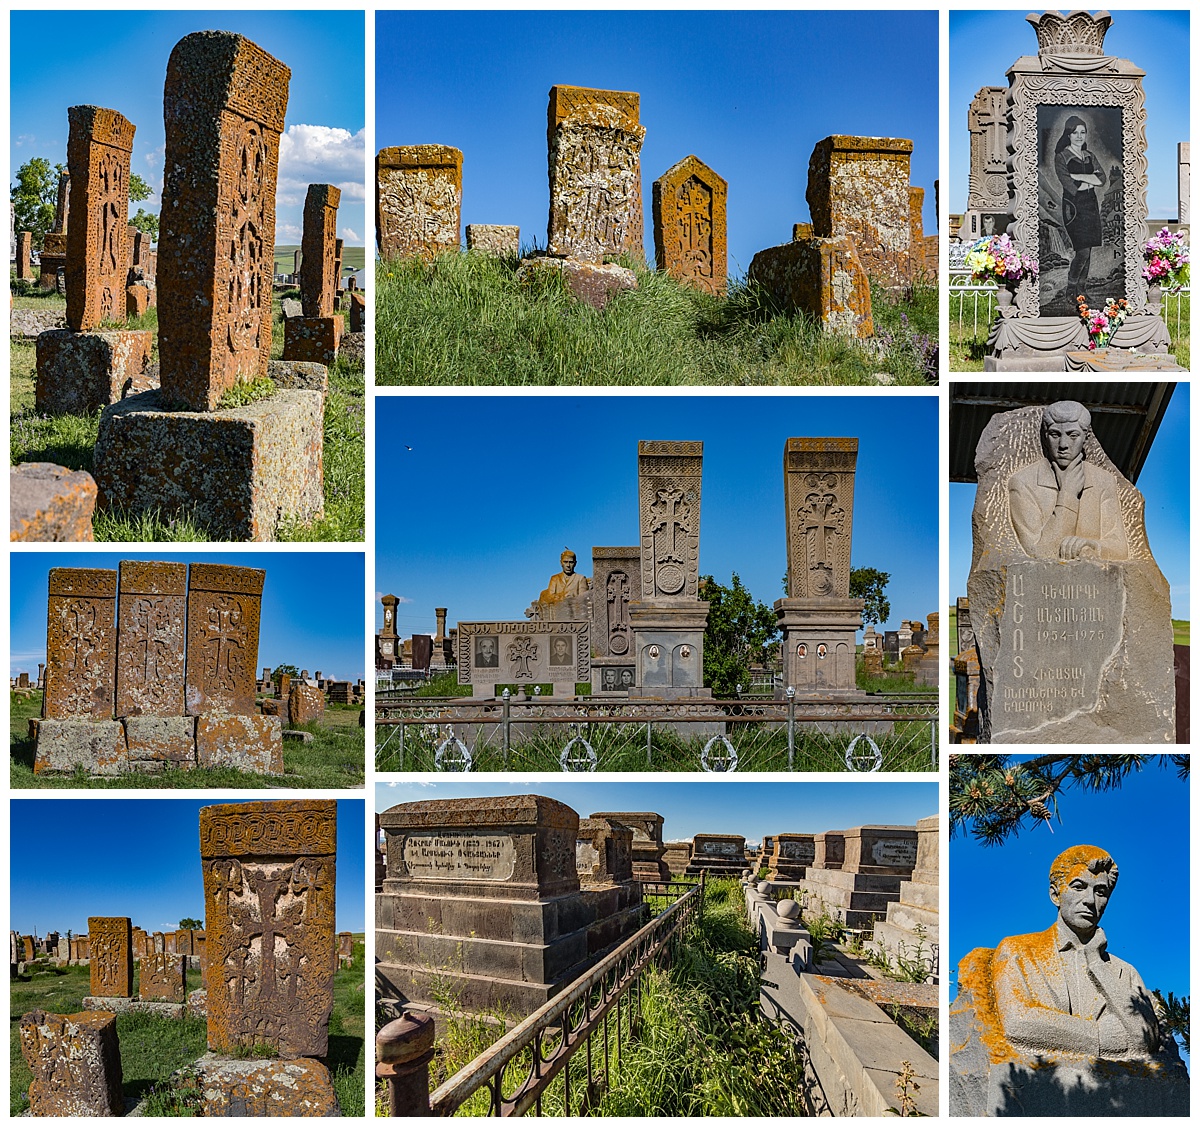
[
  {"x": 315, "y": 153},
  {"x": 288, "y": 233},
  {"x": 350, "y": 236}
]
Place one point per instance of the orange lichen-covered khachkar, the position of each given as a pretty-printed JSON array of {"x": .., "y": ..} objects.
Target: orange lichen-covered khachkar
[
  {"x": 81, "y": 644},
  {"x": 418, "y": 200},
  {"x": 224, "y": 607},
  {"x": 690, "y": 241},
  {"x": 319, "y": 265},
  {"x": 110, "y": 949},
  {"x": 269, "y": 870},
  {"x": 150, "y": 628}
]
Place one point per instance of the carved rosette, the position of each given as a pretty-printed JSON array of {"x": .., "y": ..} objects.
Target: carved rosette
[
  {"x": 669, "y": 512},
  {"x": 819, "y": 499}
]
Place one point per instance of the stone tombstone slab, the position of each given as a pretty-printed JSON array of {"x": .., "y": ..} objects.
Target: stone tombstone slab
[
  {"x": 224, "y": 605},
  {"x": 318, "y": 280},
  {"x": 669, "y": 518},
  {"x": 594, "y": 140},
  {"x": 987, "y": 121},
  {"x": 494, "y": 238},
  {"x": 418, "y": 201},
  {"x": 690, "y": 238},
  {"x": 24, "y": 255},
  {"x": 603, "y": 852},
  {"x": 76, "y": 1064},
  {"x": 513, "y": 847},
  {"x": 151, "y": 607},
  {"x": 223, "y": 103},
  {"x": 883, "y": 850},
  {"x": 110, "y": 951},
  {"x": 1070, "y": 612},
  {"x": 794, "y": 849},
  {"x": 616, "y": 581},
  {"x": 269, "y": 873},
  {"x": 818, "y": 489},
  {"x": 99, "y": 150},
  {"x": 531, "y": 653},
  {"x": 81, "y": 644},
  {"x": 719, "y": 845},
  {"x": 647, "y": 843},
  {"x": 858, "y": 186},
  {"x": 161, "y": 977}
]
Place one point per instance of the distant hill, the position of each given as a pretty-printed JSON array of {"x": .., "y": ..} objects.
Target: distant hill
[{"x": 353, "y": 258}]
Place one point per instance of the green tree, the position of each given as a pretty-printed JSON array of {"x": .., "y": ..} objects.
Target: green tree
[
  {"x": 739, "y": 632},
  {"x": 35, "y": 197},
  {"x": 146, "y": 222},
  {"x": 868, "y": 584},
  {"x": 189, "y": 923},
  {"x": 138, "y": 188},
  {"x": 280, "y": 670}
]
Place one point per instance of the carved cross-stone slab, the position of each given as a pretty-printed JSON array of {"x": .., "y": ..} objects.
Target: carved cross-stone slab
[
  {"x": 986, "y": 122},
  {"x": 224, "y": 605},
  {"x": 110, "y": 945},
  {"x": 150, "y": 638},
  {"x": 269, "y": 870},
  {"x": 224, "y": 104},
  {"x": 690, "y": 239},
  {"x": 616, "y": 581},
  {"x": 161, "y": 977},
  {"x": 76, "y": 1064},
  {"x": 81, "y": 644},
  {"x": 418, "y": 202},
  {"x": 99, "y": 150},
  {"x": 669, "y": 513},
  {"x": 318, "y": 267},
  {"x": 818, "y": 489}
]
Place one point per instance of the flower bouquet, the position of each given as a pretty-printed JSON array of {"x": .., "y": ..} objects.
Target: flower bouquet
[
  {"x": 1168, "y": 261},
  {"x": 996, "y": 259},
  {"x": 1102, "y": 324}
]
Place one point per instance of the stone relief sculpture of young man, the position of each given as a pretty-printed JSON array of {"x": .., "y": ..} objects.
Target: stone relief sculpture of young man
[
  {"x": 1062, "y": 506},
  {"x": 565, "y": 585}
]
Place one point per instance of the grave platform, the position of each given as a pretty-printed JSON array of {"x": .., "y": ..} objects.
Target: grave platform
[
  {"x": 77, "y": 373},
  {"x": 260, "y": 1088},
  {"x": 1045, "y": 344}
]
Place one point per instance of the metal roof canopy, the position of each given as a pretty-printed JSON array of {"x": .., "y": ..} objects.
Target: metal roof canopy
[{"x": 1125, "y": 417}]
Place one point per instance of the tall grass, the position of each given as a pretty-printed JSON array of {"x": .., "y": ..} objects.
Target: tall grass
[{"x": 468, "y": 319}]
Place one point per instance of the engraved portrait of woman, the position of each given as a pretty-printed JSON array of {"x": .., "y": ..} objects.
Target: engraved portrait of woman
[{"x": 1079, "y": 175}]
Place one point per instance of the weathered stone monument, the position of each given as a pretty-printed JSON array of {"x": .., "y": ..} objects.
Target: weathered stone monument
[
  {"x": 418, "y": 202},
  {"x": 911, "y": 928},
  {"x": 494, "y": 238},
  {"x": 24, "y": 256},
  {"x": 315, "y": 337},
  {"x": 524, "y": 653},
  {"x": 110, "y": 942},
  {"x": 1054, "y": 1024},
  {"x": 387, "y": 641},
  {"x": 647, "y": 848},
  {"x": 690, "y": 241},
  {"x": 857, "y": 873},
  {"x": 54, "y": 242},
  {"x": 987, "y": 198},
  {"x": 790, "y": 856},
  {"x": 819, "y": 619},
  {"x": 239, "y": 471},
  {"x": 76, "y": 1064},
  {"x": 667, "y": 623},
  {"x": 616, "y": 582},
  {"x": 1071, "y": 614},
  {"x": 161, "y": 977},
  {"x": 720, "y": 854}
]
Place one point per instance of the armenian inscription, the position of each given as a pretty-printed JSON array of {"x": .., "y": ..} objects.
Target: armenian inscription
[
  {"x": 895, "y": 854},
  {"x": 460, "y": 856}
]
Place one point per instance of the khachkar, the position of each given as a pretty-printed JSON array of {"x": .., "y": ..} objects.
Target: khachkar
[
  {"x": 75, "y": 1060},
  {"x": 110, "y": 957},
  {"x": 1054, "y": 1024},
  {"x": 668, "y": 621},
  {"x": 594, "y": 140},
  {"x": 154, "y": 673},
  {"x": 987, "y": 198},
  {"x": 239, "y": 471},
  {"x": 818, "y": 618},
  {"x": 418, "y": 200},
  {"x": 616, "y": 583},
  {"x": 1072, "y": 616},
  {"x": 87, "y": 366},
  {"x": 54, "y": 242},
  {"x": 1076, "y": 140},
  {"x": 315, "y": 337},
  {"x": 690, "y": 241}
]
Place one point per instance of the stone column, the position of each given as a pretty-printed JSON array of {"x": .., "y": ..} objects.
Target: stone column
[
  {"x": 387, "y": 648},
  {"x": 690, "y": 241},
  {"x": 315, "y": 337},
  {"x": 418, "y": 202}
]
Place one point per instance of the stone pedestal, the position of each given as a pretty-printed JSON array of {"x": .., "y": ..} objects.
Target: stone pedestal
[
  {"x": 98, "y": 746},
  {"x": 80, "y": 372},
  {"x": 875, "y": 861},
  {"x": 819, "y": 645},
  {"x": 668, "y": 642},
  {"x": 524, "y": 653},
  {"x": 911, "y": 928},
  {"x": 312, "y": 340}
]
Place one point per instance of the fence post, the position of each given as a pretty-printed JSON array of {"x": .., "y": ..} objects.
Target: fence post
[
  {"x": 703, "y": 880},
  {"x": 403, "y": 1050},
  {"x": 791, "y": 727},
  {"x": 648, "y": 723},
  {"x": 401, "y": 726},
  {"x": 505, "y": 725},
  {"x": 933, "y": 737}
]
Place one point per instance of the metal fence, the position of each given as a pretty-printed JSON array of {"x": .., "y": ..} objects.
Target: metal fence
[
  {"x": 895, "y": 733},
  {"x": 578, "y": 1037}
]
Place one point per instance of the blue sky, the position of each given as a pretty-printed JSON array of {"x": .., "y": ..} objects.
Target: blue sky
[
  {"x": 150, "y": 864},
  {"x": 983, "y": 45},
  {"x": 998, "y": 891},
  {"x": 749, "y": 93},
  {"x": 730, "y": 806},
  {"x": 479, "y": 529},
  {"x": 120, "y": 62},
  {"x": 312, "y": 607},
  {"x": 1168, "y": 501}
]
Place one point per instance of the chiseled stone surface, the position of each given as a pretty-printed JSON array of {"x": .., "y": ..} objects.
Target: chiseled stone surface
[
  {"x": 257, "y": 1088},
  {"x": 161, "y": 977},
  {"x": 249, "y": 743},
  {"x": 165, "y": 740},
  {"x": 110, "y": 943},
  {"x": 306, "y": 703},
  {"x": 318, "y": 269},
  {"x": 690, "y": 239},
  {"x": 150, "y": 638},
  {"x": 269, "y": 873},
  {"x": 24, "y": 256},
  {"x": 312, "y": 340},
  {"x": 821, "y": 277},
  {"x": 76, "y": 1064},
  {"x": 81, "y": 644},
  {"x": 98, "y": 746},
  {"x": 224, "y": 606},
  {"x": 50, "y": 503},
  {"x": 80, "y": 372},
  {"x": 494, "y": 238},
  {"x": 418, "y": 202}
]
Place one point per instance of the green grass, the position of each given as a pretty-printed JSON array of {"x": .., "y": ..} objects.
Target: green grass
[
  {"x": 465, "y": 318},
  {"x": 68, "y": 440},
  {"x": 334, "y": 760},
  {"x": 1183, "y": 631}
]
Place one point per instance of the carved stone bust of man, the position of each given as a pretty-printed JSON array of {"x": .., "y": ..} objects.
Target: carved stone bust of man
[
  {"x": 1063, "y": 506},
  {"x": 563, "y": 586}
]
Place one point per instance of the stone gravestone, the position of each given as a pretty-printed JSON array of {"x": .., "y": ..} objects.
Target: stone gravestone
[
  {"x": 54, "y": 242},
  {"x": 161, "y": 977},
  {"x": 616, "y": 582},
  {"x": 418, "y": 201},
  {"x": 987, "y": 197},
  {"x": 76, "y": 1064},
  {"x": 1032, "y": 1037},
  {"x": 647, "y": 848},
  {"x": 819, "y": 619},
  {"x": 603, "y": 852},
  {"x": 1072, "y": 616},
  {"x": 314, "y": 338},
  {"x": 595, "y": 142},
  {"x": 910, "y": 929},
  {"x": 791, "y": 855},
  {"x": 719, "y": 854},
  {"x": 690, "y": 241},
  {"x": 667, "y": 623},
  {"x": 110, "y": 943},
  {"x": 24, "y": 256},
  {"x": 269, "y": 871},
  {"x": 874, "y": 861},
  {"x": 523, "y": 653},
  {"x": 493, "y": 238},
  {"x": 1078, "y": 199},
  {"x": 345, "y": 948}
]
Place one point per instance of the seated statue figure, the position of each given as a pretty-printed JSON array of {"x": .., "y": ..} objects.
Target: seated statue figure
[{"x": 565, "y": 585}]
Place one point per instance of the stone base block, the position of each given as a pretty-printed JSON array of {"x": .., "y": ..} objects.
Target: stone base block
[
  {"x": 240, "y": 473},
  {"x": 162, "y": 740},
  {"x": 900, "y": 942},
  {"x": 76, "y": 1064},
  {"x": 1043, "y": 344},
  {"x": 313, "y": 340},
  {"x": 593, "y": 283},
  {"x": 668, "y": 646},
  {"x": 98, "y": 746},
  {"x": 50, "y": 503},
  {"x": 260, "y": 1088},
  {"x": 818, "y": 647},
  {"x": 133, "y": 1006},
  {"x": 856, "y": 899},
  {"x": 77, "y": 373},
  {"x": 822, "y": 278},
  {"x": 1120, "y": 360},
  {"x": 137, "y": 300},
  {"x": 249, "y": 743}
]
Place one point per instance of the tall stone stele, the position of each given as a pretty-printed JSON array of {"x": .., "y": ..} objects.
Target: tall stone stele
[
  {"x": 987, "y": 198},
  {"x": 1072, "y": 616},
  {"x": 315, "y": 337},
  {"x": 1055, "y": 1024},
  {"x": 667, "y": 623},
  {"x": 690, "y": 237},
  {"x": 819, "y": 619},
  {"x": 418, "y": 200}
]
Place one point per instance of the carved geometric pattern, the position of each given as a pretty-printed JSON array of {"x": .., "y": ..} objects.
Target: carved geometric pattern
[
  {"x": 819, "y": 497},
  {"x": 669, "y": 477}
]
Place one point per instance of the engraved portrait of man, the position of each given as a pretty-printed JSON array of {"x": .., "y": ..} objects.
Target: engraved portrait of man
[{"x": 1064, "y": 507}]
